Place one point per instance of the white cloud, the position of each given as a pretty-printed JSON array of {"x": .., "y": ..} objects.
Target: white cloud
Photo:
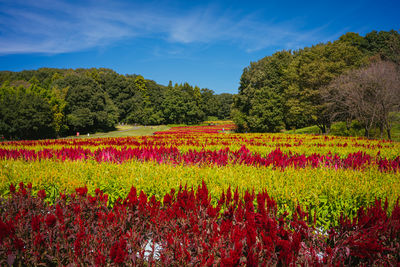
[{"x": 45, "y": 26}]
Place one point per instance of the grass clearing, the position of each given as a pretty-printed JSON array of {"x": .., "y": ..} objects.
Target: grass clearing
[{"x": 125, "y": 130}]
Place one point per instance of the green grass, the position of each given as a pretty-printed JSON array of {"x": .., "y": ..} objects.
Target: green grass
[
  {"x": 126, "y": 130},
  {"x": 306, "y": 130},
  {"x": 396, "y": 127}
]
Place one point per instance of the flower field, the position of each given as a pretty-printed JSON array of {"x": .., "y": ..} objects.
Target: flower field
[{"x": 200, "y": 196}]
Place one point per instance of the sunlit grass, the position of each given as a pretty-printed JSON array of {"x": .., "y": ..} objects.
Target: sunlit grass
[{"x": 125, "y": 130}]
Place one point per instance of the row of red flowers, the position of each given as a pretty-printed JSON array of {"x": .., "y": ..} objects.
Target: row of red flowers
[
  {"x": 185, "y": 229},
  {"x": 210, "y": 140},
  {"x": 221, "y": 157}
]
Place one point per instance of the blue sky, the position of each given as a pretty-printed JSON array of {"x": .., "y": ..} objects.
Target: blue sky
[{"x": 205, "y": 43}]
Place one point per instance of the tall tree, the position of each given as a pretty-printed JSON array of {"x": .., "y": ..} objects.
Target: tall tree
[
  {"x": 259, "y": 104},
  {"x": 182, "y": 105},
  {"x": 310, "y": 70},
  {"x": 89, "y": 108},
  {"x": 209, "y": 103},
  {"x": 224, "y": 104},
  {"x": 24, "y": 113}
]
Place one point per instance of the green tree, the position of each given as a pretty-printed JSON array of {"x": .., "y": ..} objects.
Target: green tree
[
  {"x": 181, "y": 105},
  {"x": 224, "y": 104},
  {"x": 209, "y": 103},
  {"x": 88, "y": 108},
  {"x": 311, "y": 69},
  {"x": 259, "y": 104},
  {"x": 24, "y": 114},
  {"x": 58, "y": 104}
]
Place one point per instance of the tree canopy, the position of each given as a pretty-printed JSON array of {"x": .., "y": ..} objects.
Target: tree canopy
[
  {"x": 284, "y": 90},
  {"x": 50, "y": 102}
]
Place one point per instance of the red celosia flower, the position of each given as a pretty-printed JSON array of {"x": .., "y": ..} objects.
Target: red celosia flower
[
  {"x": 35, "y": 224},
  {"x": 210, "y": 260},
  {"x": 167, "y": 200},
  {"x": 77, "y": 209},
  {"x": 132, "y": 197},
  {"x": 118, "y": 251},
  {"x": 82, "y": 191},
  {"x": 22, "y": 189},
  {"x": 59, "y": 213},
  {"x": 38, "y": 240},
  {"x": 100, "y": 260},
  {"x": 110, "y": 217},
  {"x": 78, "y": 244},
  {"x": 12, "y": 188},
  {"x": 97, "y": 191},
  {"x": 19, "y": 244},
  {"x": 142, "y": 201},
  {"x": 92, "y": 200},
  {"x": 50, "y": 220},
  {"x": 105, "y": 198},
  {"x": 41, "y": 194},
  {"x": 4, "y": 230},
  {"x": 285, "y": 251}
]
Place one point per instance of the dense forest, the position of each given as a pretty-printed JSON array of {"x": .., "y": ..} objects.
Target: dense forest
[
  {"x": 49, "y": 102},
  {"x": 354, "y": 78}
]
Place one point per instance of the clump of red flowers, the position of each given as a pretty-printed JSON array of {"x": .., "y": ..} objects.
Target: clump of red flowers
[
  {"x": 186, "y": 229},
  {"x": 222, "y": 157}
]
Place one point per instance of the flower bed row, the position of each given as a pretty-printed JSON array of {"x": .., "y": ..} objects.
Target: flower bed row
[
  {"x": 185, "y": 229},
  {"x": 221, "y": 157},
  {"x": 213, "y": 139}
]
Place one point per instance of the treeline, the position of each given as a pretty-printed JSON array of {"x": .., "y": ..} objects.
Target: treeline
[
  {"x": 49, "y": 102},
  {"x": 313, "y": 85}
]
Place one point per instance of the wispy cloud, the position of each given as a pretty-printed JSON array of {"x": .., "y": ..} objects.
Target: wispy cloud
[{"x": 58, "y": 26}]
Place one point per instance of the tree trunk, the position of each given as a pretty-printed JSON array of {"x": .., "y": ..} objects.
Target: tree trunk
[
  {"x": 348, "y": 124},
  {"x": 366, "y": 132},
  {"x": 389, "y": 134},
  {"x": 322, "y": 128}
]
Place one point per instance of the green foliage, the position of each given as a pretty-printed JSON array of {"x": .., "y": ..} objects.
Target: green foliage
[
  {"x": 306, "y": 130},
  {"x": 284, "y": 90},
  {"x": 88, "y": 108},
  {"x": 259, "y": 104},
  {"x": 91, "y": 100},
  {"x": 396, "y": 126},
  {"x": 24, "y": 113},
  {"x": 385, "y": 45},
  {"x": 225, "y": 102},
  {"x": 212, "y": 118},
  {"x": 311, "y": 69},
  {"x": 347, "y": 129},
  {"x": 182, "y": 105}
]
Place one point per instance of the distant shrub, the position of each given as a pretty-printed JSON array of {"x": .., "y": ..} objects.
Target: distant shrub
[
  {"x": 342, "y": 129},
  {"x": 212, "y": 118},
  {"x": 309, "y": 130}
]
